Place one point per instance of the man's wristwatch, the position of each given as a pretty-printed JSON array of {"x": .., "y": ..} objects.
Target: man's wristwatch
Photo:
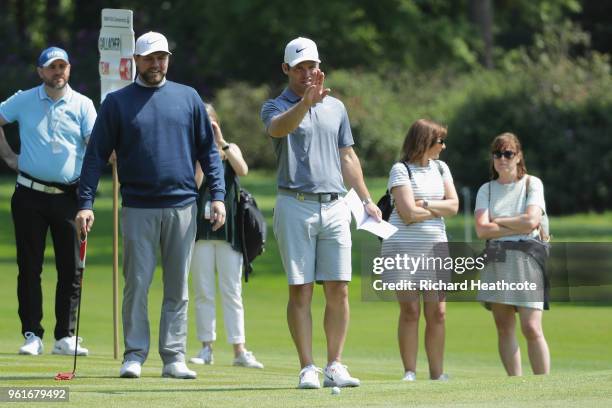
[
  {"x": 367, "y": 201},
  {"x": 225, "y": 146},
  {"x": 425, "y": 204}
]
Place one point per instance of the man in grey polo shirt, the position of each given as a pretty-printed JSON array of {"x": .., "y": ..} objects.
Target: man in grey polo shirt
[{"x": 312, "y": 139}]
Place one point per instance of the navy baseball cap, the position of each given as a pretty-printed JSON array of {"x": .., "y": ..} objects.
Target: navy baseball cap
[{"x": 51, "y": 54}]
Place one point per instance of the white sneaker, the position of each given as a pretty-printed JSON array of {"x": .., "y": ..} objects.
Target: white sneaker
[
  {"x": 409, "y": 376},
  {"x": 66, "y": 346},
  {"x": 247, "y": 359},
  {"x": 442, "y": 377},
  {"x": 33, "y": 345},
  {"x": 178, "y": 370},
  {"x": 205, "y": 356},
  {"x": 130, "y": 369},
  {"x": 336, "y": 375},
  {"x": 309, "y": 377}
]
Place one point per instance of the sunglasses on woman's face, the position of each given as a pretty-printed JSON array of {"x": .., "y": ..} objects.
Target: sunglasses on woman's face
[
  {"x": 508, "y": 154},
  {"x": 441, "y": 141}
]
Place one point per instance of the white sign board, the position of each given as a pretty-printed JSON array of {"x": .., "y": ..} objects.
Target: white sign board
[{"x": 116, "y": 46}]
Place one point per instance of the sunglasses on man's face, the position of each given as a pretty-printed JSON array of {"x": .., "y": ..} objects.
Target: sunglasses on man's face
[{"x": 508, "y": 154}]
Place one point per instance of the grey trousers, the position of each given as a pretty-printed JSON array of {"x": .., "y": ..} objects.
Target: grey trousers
[{"x": 143, "y": 229}]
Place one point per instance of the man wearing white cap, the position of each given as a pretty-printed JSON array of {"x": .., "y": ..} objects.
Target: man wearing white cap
[
  {"x": 158, "y": 129},
  {"x": 54, "y": 125},
  {"x": 313, "y": 142}
]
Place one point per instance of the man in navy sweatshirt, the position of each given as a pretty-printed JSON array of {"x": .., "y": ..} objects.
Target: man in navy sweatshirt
[{"x": 158, "y": 129}]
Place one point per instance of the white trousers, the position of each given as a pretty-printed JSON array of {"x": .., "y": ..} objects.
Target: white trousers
[{"x": 219, "y": 255}]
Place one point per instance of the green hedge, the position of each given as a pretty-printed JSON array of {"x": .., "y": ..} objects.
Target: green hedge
[
  {"x": 559, "y": 105},
  {"x": 557, "y": 101}
]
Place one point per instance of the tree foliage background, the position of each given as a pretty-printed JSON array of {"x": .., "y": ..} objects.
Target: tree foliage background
[{"x": 539, "y": 68}]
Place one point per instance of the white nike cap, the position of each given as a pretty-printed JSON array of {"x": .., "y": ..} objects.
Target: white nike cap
[
  {"x": 151, "y": 42},
  {"x": 301, "y": 49}
]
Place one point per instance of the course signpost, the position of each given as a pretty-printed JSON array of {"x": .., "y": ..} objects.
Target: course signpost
[
  {"x": 117, "y": 69},
  {"x": 116, "y": 46}
]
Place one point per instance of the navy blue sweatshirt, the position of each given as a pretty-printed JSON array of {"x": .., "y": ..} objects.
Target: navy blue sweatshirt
[{"x": 158, "y": 134}]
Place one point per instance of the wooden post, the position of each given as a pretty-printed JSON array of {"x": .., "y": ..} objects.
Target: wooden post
[{"x": 115, "y": 262}]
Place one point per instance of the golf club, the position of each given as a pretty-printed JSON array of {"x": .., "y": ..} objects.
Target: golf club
[{"x": 80, "y": 268}]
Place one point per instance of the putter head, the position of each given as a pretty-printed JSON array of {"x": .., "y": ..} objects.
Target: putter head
[{"x": 64, "y": 376}]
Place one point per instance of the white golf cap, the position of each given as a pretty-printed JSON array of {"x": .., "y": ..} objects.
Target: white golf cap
[
  {"x": 151, "y": 42},
  {"x": 301, "y": 49}
]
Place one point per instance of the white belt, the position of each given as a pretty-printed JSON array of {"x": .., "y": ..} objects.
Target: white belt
[{"x": 26, "y": 182}]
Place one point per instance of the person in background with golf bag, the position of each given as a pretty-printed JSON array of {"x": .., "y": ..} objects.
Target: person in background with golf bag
[
  {"x": 220, "y": 250},
  {"x": 158, "y": 130},
  {"x": 55, "y": 123}
]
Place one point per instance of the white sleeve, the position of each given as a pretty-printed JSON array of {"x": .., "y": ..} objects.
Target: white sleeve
[
  {"x": 446, "y": 173},
  {"x": 482, "y": 198},
  {"x": 398, "y": 176},
  {"x": 535, "y": 195}
]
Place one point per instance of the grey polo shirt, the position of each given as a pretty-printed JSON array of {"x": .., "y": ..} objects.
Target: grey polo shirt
[{"x": 308, "y": 159}]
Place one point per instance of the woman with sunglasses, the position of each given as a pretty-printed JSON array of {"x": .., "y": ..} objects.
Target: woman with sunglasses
[
  {"x": 508, "y": 213},
  {"x": 423, "y": 194}
]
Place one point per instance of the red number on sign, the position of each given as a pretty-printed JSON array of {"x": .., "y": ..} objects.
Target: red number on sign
[{"x": 125, "y": 69}]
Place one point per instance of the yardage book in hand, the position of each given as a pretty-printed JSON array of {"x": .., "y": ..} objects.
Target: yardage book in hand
[{"x": 365, "y": 221}]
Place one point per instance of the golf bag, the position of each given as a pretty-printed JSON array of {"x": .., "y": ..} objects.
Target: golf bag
[{"x": 253, "y": 230}]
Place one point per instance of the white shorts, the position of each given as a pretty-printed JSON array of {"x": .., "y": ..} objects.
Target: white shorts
[{"x": 314, "y": 239}]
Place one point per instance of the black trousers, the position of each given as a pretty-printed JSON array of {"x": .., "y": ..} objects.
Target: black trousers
[{"x": 34, "y": 213}]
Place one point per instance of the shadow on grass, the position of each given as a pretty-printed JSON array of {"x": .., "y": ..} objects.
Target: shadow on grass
[
  {"x": 29, "y": 378},
  {"x": 183, "y": 390},
  {"x": 77, "y": 377}
]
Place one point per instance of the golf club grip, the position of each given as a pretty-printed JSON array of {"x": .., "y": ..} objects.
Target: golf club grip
[{"x": 82, "y": 253}]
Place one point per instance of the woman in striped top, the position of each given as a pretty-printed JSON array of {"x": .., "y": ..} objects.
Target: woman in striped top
[{"x": 423, "y": 194}]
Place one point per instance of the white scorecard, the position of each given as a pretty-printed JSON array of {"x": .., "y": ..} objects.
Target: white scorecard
[{"x": 366, "y": 222}]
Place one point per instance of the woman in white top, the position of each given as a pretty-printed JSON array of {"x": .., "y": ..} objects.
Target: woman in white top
[
  {"x": 510, "y": 208},
  {"x": 423, "y": 193}
]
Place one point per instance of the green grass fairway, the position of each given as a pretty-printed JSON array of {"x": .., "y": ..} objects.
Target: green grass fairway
[{"x": 579, "y": 336}]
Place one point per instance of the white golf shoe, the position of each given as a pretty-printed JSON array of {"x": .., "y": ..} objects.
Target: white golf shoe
[
  {"x": 309, "y": 377},
  {"x": 409, "y": 376},
  {"x": 32, "y": 346},
  {"x": 247, "y": 359},
  {"x": 205, "y": 356},
  {"x": 66, "y": 346},
  {"x": 130, "y": 369},
  {"x": 337, "y": 375},
  {"x": 442, "y": 377},
  {"x": 178, "y": 369}
]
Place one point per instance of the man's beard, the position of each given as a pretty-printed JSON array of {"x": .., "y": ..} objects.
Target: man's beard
[
  {"x": 50, "y": 83},
  {"x": 149, "y": 78}
]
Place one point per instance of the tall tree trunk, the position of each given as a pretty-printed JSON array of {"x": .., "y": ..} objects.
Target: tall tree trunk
[
  {"x": 52, "y": 20},
  {"x": 21, "y": 20},
  {"x": 87, "y": 14},
  {"x": 481, "y": 14}
]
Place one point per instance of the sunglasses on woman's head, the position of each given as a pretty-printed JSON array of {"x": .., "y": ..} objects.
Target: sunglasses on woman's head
[{"x": 508, "y": 154}]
